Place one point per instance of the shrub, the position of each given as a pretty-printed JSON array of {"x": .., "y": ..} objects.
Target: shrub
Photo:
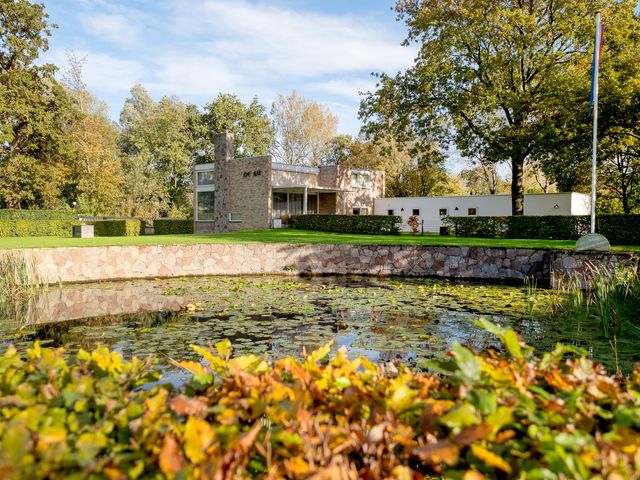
[
  {"x": 414, "y": 223},
  {"x": 366, "y": 224},
  {"x": 118, "y": 228},
  {"x": 15, "y": 214},
  {"x": 484, "y": 416},
  {"x": 619, "y": 229},
  {"x": 164, "y": 226},
  {"x": 37, "y": 228},
  {"x": 480, "y": 227}
]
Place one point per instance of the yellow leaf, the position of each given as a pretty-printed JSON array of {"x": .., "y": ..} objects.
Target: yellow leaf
[
  {"x": 224, "y": 348},
  {"x": 198, "y": 435},
  {"x": 490, "y": 458}
]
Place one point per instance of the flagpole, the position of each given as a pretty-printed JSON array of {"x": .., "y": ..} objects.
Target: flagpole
[{"x": 596, "y": 65}]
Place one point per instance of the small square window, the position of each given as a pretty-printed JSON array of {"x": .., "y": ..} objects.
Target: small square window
[
  {"x": 356, "y": 211},
  {"x": 472, "y": 211},
  {"x": 416, "y": 211},
  {"x": 390, "y": 212},
  {"x": 444, "y": 212}
]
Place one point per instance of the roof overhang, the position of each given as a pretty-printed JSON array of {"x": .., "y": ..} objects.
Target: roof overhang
[{"x": 310, "y": 190}]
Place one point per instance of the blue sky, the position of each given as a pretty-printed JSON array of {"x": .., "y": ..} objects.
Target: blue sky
[{"x": 196, "y": 49}]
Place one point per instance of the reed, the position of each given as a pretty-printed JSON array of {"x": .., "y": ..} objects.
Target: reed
[{"x": 19, "y": 280}]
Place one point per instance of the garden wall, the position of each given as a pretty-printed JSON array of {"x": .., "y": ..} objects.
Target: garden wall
[{"x": 83, "y": 264}]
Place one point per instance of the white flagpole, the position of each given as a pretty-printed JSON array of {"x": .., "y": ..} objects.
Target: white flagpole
[{"x": 596, "y": 65}]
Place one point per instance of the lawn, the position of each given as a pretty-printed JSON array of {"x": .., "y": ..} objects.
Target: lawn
[{"x": 286, "y": 236}]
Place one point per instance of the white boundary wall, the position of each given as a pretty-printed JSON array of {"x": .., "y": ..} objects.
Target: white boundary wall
[{"x": 432, "y": 210}]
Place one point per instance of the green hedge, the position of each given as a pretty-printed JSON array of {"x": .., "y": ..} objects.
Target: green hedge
[
  {"x": 118, "y": 228},
  {"x": 367, "y": 224},
  {"x": 510, "y": 415},
  {"x": 15, "y": 214},
  {"x": 166, "y": 226},
  {"x": 37, "y": 228},
  {"x": 619, "y": 229}
]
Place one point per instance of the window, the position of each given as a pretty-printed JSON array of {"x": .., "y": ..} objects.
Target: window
[
  {"x": 205, "y": 206},
  {"x": 416, "y": 211},
  {"x": 444, "y": 212},
  {"x": 235, "y": 217},
  {"x": 390, "y": 212},
  {"x": 472, "y": 211},
  {"x": 356, "y": 211},
  {"x": 205, "y": 177},
  {"x": 361, "y": 180}
]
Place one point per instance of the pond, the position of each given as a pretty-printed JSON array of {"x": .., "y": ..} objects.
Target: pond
[{"x": 381, "y": 318}]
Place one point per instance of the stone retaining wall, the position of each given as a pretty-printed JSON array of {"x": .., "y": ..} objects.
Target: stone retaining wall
[{"x": 84, "y": 264}]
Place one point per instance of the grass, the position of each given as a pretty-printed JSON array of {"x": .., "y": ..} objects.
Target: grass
[{"x": 288, "y": 236}]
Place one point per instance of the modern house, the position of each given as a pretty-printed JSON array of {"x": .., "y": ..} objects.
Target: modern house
[
  {"x": 431, "y": 210},
  {"x": 235, "y": 194}
]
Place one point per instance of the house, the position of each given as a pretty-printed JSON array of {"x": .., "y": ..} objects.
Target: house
[
  {"x": 236, "y": 194},
  {"x": 431, "y": 210}
]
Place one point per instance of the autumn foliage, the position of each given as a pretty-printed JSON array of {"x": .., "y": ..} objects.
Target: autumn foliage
[{"x": 487, "y": 416}]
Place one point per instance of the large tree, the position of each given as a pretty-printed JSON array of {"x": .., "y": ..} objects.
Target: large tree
[
  {"x": 249, "y": 124},
  {"x": 303, "y": 130},
  {"x": 162, "y": 135},
  {"x": 489, "y": 75},
  {"x": 34, "y": 109},
  {"x": 95, "y": 167}
]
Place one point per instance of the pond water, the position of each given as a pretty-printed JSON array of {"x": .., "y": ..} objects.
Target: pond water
[{"x": 382, "y": 319}]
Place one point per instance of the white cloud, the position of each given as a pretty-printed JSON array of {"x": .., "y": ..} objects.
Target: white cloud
[
  {"x": 347, "y": 87},
  {"x": 112, "y": 27},
  {"x": 276, "y": 42}
]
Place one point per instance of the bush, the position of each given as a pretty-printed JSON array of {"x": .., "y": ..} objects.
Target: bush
[
  {"x": 484, "y": 416},
  {"x": 479, "y": 227},
  {"x": 164, "y": 226},
  {"x": 118, "y": 228},
  {"x": 619, "y": 229},
  {"x": 37, "y": 228},
  {"x": 366, "y": 224},
  {"x": 15, "y": 214}
]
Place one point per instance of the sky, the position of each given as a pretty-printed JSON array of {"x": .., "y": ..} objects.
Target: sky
[{"x": 196, "y": 49}]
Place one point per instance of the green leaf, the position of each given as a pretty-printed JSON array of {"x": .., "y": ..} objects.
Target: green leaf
[{"x": 469, "y": 367}]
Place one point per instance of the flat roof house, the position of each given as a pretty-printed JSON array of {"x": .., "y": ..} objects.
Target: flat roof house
[{"x": 235, "y": 194}]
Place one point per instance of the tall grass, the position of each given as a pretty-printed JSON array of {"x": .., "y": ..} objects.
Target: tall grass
[
  {"x": 19, "y": 280},
  {"x": 612, "y": 295}
]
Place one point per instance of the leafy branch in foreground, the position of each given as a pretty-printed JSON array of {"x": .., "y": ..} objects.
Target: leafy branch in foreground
[{"x": 484, "y": 416}]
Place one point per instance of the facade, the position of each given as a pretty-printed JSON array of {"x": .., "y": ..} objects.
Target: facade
[
  {"x": 256, "y": 193},
  {"x": 431, "y": 210}
]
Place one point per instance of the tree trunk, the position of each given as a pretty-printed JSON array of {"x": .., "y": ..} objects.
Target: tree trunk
[{"x": 517, "y": 186}]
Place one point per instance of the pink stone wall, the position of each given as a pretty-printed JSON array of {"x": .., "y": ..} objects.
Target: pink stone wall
[{"x": 83, "y": 264}]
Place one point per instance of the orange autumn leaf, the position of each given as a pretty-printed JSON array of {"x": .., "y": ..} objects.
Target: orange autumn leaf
[{"x": 170, "y": 459}]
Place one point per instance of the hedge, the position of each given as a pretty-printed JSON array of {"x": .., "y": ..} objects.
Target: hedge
[
  {"x": 619, "y": 229},
  {"x": 16, "y": 214},
  {"x": 165, "y": 226},
  {"x": 367, "y": 224},
  {"x": 37, "y": 228},
  {"x": 483, "y": 416},
  {"x": 118, "y": 228}
]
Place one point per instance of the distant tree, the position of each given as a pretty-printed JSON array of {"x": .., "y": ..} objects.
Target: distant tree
[
  {"x": 491, "y": 76},
  {"x": 483, "y": 179},
  {"x": 146, "y": 193},
  {"x": 303, "y": 130},
  {"x": 95, "y": 167},
  {"x": 34, "y": 109},
  {"x": 162, "y": 134},
  {"x": 249, "y": 124}
]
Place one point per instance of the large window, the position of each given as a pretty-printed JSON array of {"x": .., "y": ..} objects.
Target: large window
[
  {"x": 205, "y": 206},
  {"x": 361, "y": 180}
]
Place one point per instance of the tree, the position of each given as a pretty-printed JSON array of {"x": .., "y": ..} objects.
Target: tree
[
  {"x": 302, "y": 129},
  {"x": 489, "y": 75},
  {"x": 95, "y": 168},
  {"x": 34, "y": 109},
  {"x": 483, "y": 179},
  {"x": 249, "y": 124},
  {"x": 161, "y": 134}
]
